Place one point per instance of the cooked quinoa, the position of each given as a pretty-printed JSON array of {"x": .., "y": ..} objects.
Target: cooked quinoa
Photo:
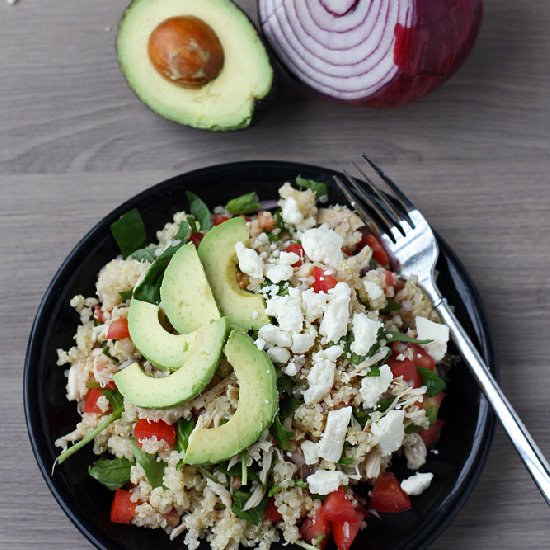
[{"x": 335, "y": 310}]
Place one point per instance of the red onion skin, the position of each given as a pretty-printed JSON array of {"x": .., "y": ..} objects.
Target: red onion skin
[{"x": 425, "y": 55}]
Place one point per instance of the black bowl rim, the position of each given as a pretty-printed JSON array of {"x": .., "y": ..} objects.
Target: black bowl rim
[{"x": 486, "y": 421}]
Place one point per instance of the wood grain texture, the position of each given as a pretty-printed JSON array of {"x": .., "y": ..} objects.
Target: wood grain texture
[{"x": 74, "y": 143}]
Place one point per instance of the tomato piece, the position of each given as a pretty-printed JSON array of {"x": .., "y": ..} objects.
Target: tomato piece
[
  {"x": 145, "y": 429},
  {"x": 407, "y": 369},
  {"x": 344, "y": 533},
  {"x": 90, "y": 405},
  {"x": 110, "y": 385},
  {"x": 271, "y": 512},
  {"x": 387, "y": 495},
  {"x": 431, "y": 435},
  {"x": 421, "y": 358},
  {"x": 196, "y": 238},
  {"x": 122, "y": 508},
  {"x": 298, "y": 249},
  {"x": 98, "y": 315},
  {"x": 378, "y": 251},
  {"x": 218, "y": 219},
  {"x": 323, "y": 282},
  {"x": 339, "y": 508},
  {"x": 266, "y": 222},
  {"x": 242, "y": 279},
  {"x": 313, "y": 529},
  {"x": 118, "y": 329},
  {"x": 389, "y": 278}
]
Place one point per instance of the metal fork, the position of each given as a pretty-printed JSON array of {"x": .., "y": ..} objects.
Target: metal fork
[{"x": 410, "y": 242}]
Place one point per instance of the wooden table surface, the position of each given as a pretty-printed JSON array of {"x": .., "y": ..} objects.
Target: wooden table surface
[{"x": 475, "y": 155}]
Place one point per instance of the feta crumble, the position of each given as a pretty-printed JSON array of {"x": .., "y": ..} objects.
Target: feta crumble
[
  {"x": 278, "y": 355},
  {"x": 374, "y": 292},
  {"x": 275, "y": 336},
  {"x": 323, "y": 245},
  {"x": 313, "y": 304},
  {"x": 321, "y": 376},
  {"x": 311, "y": 452},
  {"x": 335, "y": 320},
  {"x": 365, "y": 333},
  {"x": 439, "y": 334},
  {"x": 332, "y": 440},
  {"x": 278, "y": 273},
  {"x": 372, "y": 387},
  {"x": 417, "y": 484},
  {"x": 389, "y": 432},
  {"x": 287, "y": 310},
  {"x": 249, "y": 261},
  {"x": 324, "y": 482}
]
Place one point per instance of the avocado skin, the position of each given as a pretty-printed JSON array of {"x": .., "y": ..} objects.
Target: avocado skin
[
  {"x": 258, "y": 404},
  {"x": 183, "y": 385},
  {"x": 261, "y": 105}
]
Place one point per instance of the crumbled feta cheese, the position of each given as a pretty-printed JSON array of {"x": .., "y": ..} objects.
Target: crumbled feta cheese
[
  {"x": 290, "y": 212},
  {"x": 389, "y": 432},
  {"x": 332, "y": 440},
  {"x": 323, "y": 245},
  {"x": 288, "y": 258},
  {"x": 275, "y": 336},
  {"x": 417, "y": 484},
  {"x": 365, "y": 333},
  {"x": 302, "y": 343},
  {"x": 324, "y": 482},
  {"x": 335, "y": 320},
  {"x": 321, "y": 376},
  {"x": 372, "y": 387},
  {"x": 373, "y": 290},
  {"x": 311, "y": 452},
  {"x": 277, "y": 273},
  {"x": 278, "y": 355},
  {"x": 314, "y": 304},
  {"x": 249, "y": 261},
  {"x": 287, "y": 310},
  {"x": 439, "y": 334},
  {"x": 291, "y": 369},
  {"x": 260, "y": 344}
]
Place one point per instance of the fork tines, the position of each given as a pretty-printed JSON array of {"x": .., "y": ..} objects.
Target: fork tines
[{"x": 392, "y": 211}]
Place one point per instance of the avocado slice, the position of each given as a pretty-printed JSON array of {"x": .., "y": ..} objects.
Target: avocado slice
[
  {"x": 184, "y": 384},
  {"x": 164, "y": 350},
  {"x": 230, "y": 98},
  {"x": 185, "y": 294},
  {"x": 217, "y": 254},
  {"x": 258, "y": 402}
]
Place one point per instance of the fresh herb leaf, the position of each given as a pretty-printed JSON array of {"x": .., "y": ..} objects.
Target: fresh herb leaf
[
  {"x": 115, "y": 399},
  {"x": 154, "y": 471},
  {"x": 279, "y": 222},
  {"x": 107, "y": 353},
  {"x": 361, "y": 415},
  {"x": 184, "y": 230},
  {"x": 318, "y": 187},
  {"x": 149, "y": 288},
  {"x": 183, "y": 431},
  {"x": 432, "y": 381},
  {"x": 129, "y": 232},
  {"x": 413, "y": 429},
  {"x": 125, "y": 295},
  {"x": 254, "y": 515},
  {"x": 192, "y": 224},
  {"x": 236, "y": 471},
  {"x": 200, "y": 211},
  {"x": 288, "y": 405},
  {"x": 115, "y": 415},
  {"x": 144, "y": 255},
  {"x": 282, "y": 287},
  {"x": 279, "y": 432},
  {"x": 390, "y": 307},
  {"x": 285, "y": 384},
  {"x": 431, "y": 414},
  {"x": 374, "y": 372},
  {"x": 245, "y": 204},
  {"x": 390, "y": 337},
  {"x": 346, "y": 461},
  {"x": 113, "y": 473},
  {"x": 384, "y": 404}
]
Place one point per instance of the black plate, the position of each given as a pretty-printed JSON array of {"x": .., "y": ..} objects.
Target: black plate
[{"x": 463, "y": 446}]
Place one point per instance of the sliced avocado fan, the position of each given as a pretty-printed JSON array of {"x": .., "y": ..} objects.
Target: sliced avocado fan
[
  {"x": 186, "y": 383},
  {"x": 258, "y": 402},
  {"x": 217, "y": 254}
]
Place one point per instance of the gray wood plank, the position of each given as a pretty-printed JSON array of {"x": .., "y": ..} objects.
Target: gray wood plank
[{"x": 475, "y": 155}]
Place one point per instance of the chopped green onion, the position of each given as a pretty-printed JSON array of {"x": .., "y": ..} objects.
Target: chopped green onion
[
  {"x": 245, "y": 204},
  {"x": 200, "y": 211},
  {"x": 318, "y": 187},
  {"x": 129, "y": 232}
]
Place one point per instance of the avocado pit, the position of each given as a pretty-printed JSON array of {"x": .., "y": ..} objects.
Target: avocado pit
[{"x": 186, "y": 51}]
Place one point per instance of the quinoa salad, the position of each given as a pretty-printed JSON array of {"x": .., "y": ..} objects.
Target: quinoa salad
[{"x": 248, "y": 378}]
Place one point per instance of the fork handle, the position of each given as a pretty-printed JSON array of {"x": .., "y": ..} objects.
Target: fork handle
[{"x": 527, "y": 448}]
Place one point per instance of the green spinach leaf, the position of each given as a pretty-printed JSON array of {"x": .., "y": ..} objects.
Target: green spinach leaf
[
  {"x": 318, "y": 187},
  {"x": 144, "y": 255},
  {"x": 200, "y": 211},
  {"x": 279, "y": 432},
  {"x": 129, "y": 232},
  {"x": 113, "y": 473},
  {"x": 254, "y": 515},
  {"x": 245, "y": 204},
  {"x": 154, "y": 471}
]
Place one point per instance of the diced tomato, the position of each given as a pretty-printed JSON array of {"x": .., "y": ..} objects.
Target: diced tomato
[
  {"x": 218, "y": 219},
  {"x": 344, "y": 533},
  {"x": 432, "y": 434},
  {"x": 323, "y": 282},
  {"x": 122, "y": 509},
  {"x": 407, "y": 369},
  {"x": 98, "y": 315},
  {"x": 110, "y": 385},
  {"x": 242, "y": 279},
  {"x": 378, "y": 251},
  {"x": 266, "y": 222},
  {"x": 298, "y": 249},
  {"x": 118, "y": 329},
  {"x": 196, "y": 238},
  {"x": 271, "y": 512},
  {"x": 387, "y": 495},
  {"x": 313, "y": 529},
  {"x": 389, "y": 278},
  {"x": 421, "y": 357},
  {"x": 144, "y": 429},
  {"x": 338, "y": 507},
  {"x": 90, "y": 405}
]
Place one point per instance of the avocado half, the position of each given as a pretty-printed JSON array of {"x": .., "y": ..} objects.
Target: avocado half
[{"x": 228, "y": 102}]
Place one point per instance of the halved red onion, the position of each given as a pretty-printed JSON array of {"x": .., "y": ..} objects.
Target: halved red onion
[{"x": 377, "y": 52}]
